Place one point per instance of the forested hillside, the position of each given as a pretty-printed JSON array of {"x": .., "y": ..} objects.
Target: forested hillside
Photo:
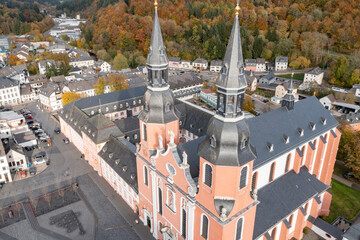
[{"x": 20, "y": 17}]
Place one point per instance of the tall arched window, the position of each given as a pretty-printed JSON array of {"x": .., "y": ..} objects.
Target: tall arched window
[
  {"x": 303, "y": 157},
  {"x": 254, "y": 181},
  {"x": 287, "y": 165},
  {"x": 146, "y": 176},
  {"x": 204, "y": 226},
  {"x": 243, "y": 177},
  {"x": 272, "y": 171},
  {"x": 273, "y": 233},
  {"x": 144, "y": 133},
  {"x": 239, "y": 228},
  {"x": 291, "y": 219},
  {"x": 208, "y": 175}
]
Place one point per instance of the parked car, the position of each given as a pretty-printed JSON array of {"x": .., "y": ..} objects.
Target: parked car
[
  {"x": 23, "y": 174},
  {"x": 348, "y": 175},
  {"x": 40, "y": 161},
  {"x": 39, "y": 155},
  {"x": 32, "y": 171},
  {"x": 29, "y": 121},
  {"x": 29, "y": 117},
  {"x": 257, "y": 113},
  {"x": 24, "y": 110},
  {"x": 66, "y": 140},
  {"x": 57, "y": 130},
  {"x": 28, "y": 148}
]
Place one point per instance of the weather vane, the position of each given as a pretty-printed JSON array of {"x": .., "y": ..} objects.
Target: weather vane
[{"x": 237, "y": 8}]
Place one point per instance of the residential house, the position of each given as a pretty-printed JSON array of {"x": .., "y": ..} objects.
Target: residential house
[
  {"x": 75, "y": 70},
  {"x": 25, "y": 139},
  {"x": 15, "y": 155},
  {"x": 250, "y": 65},
  {"x": 82, "y": 62},
  {"x": 57, "y": 48},
  {"x": 327, "y": 101},
  {"x": 282, "y": 89},
  {"x": 9, "y": 92},
  {"x": 185, "y": 85},
  {"x": 58, "y": 79},
  {"x": 12, "y": 122},
  {"x": 22, "y": 55},
  {"x": 37, "y": 45},
  {"x": 200, "y": 64},
  {"x": 352, "y": 121},
  {"x": 315, "y": 75},
  {"x": 103, "y": 66},
  {"x": 267, "y": 79},
  {"x": 43, "y": 63},
  {"x": 281, "y": 63},
  {"x": 186, "y": 64},
  {"x": 215, "y": 65},
  {"x": 251, "y": 81},
  {"x": 18, "y": 73},
  {"x": 84, "y": 88},
  {"x": 27, "y": 94},
  {"x": 5, "y": 175},
  {"x": 174, "y": 63},
  {"x": 50, "y": 97},
  {"x": 5, "y": 42},
  {"x": 37, "y": 81},
  {"x": 3, "y": 55},
  {"x": 260, "y": 65}
]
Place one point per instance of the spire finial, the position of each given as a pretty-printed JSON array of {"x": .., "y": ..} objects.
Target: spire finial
[
  {"x": 156, "y": 4},
  {"x": 237, "y": 8}
]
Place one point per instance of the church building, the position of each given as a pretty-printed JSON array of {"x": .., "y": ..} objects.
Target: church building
[{"x": 193, "y": 174}]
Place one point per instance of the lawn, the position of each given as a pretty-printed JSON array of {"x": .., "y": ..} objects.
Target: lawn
[
  {"x": 345, "y": 202},
  {"x": 340, "y": 169},
  {"x": 297, "y": 76}
]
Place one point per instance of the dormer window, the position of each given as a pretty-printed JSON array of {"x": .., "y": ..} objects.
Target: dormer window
[
  {"x": 115, "y": 107},
  {"x": 323, "y": 121},
  {"x": 312, "y": 126},
  {"x": 106, "y": 109},
  {"x": 270, "y": 146},
  {"x": 167, "y": 107},
  {"x": 212, "y": 142},
  {"x": 104, "y": 149},
  {"x": 286, "y": 139},
  {"x": 117, "y": 161},
  {"x": 111, "y": 155},
  {"x": 223, "y": 70},
  {"x": 300, "y": 131},
  {"x": 92, "y": 112},
  {"x": 243, "y": 144}
]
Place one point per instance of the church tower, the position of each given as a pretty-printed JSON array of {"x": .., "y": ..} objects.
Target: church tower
[
  {"x": 159, "y": 124},
  {"x": 226, "y": 155}
]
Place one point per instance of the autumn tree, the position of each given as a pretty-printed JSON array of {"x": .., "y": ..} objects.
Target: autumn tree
[
  {"x": 68, "y": 97},
  {"x": 300, "y": 62},
  {"x": 117, "y": 82},
  {"x": 13, "y": 60},
  {"x": 249, "y": 105},
  {"x": 120, "y": 62},
  {"x": 100, "y": 86}
]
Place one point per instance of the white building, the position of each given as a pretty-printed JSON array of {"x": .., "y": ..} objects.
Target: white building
[
  {"x": 327, "y": 101},
  {"x": 10, "y": 123},
  {"x": 5, "y": 175},
  {"x": 57, "y": 48},
  {"x": 50, "y": 97},
  {"x": 200, "y": 64},
  {"x": 42, "y": 65},
  {"x": 9, "y": 92},
  {"x": 18, "y": 73},
  {"x": 260, "y": 65},
  {"x": 15, "y": 156},
  {"x": 105, "y": 67},
  {"x": 27, "y": 94},
  {"x": 315, "y": 75},
  {"x": 25, "y": 139},
  {"x": 215, "y": 65},
  {"x": 281, "y": 63},
  {"x": 82, "y": 62}
]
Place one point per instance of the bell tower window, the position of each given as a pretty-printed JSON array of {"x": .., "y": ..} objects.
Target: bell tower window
[
  {"x": 208, "y": 175},
  {"x": 243, "y": 177},
  {"x": 230, "y": 104},
  {"x": 212, "y": 142}
]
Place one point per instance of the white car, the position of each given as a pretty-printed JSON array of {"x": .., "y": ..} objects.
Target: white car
[{"x": 40, "y": 161}]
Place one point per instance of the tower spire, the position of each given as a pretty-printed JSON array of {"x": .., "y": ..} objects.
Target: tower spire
[{"x": 289, "y": 99}]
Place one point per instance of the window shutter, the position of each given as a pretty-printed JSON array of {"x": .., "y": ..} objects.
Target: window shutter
[
  {"x": 183, "y": 232},
  {"x": 253, "y": 181},
  {"x": 205, "y": 225}
]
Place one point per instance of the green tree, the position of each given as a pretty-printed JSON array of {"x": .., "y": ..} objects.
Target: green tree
[
  {"x": 120, "y": 62},
  {"x": 51, "y": 71},
  {"x": 258, "y": 47},
  {"x": 354, "y": 78},
  {"x": 99, "y": 87},
  {"x": 63, "y": 69},
  {"x": 64, "y": 37},
  {"x": 104, "y": 55}
]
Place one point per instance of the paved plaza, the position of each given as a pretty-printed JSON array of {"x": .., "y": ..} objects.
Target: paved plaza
[{"x": 101, "y": 212}]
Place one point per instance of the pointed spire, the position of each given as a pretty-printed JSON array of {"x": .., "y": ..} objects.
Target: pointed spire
[
  {"x": 232, "y": 72},
  {"x": 157, "y": 54}
]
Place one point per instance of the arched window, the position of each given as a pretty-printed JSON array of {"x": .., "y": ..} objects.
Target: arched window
[
  {"x": 272, "y": 171},
  {"x": 273, "y": 233},
  {"x": 303, "y": 157},
  {"x": 212, "y": 142},
  {"x": 243, "y": 177},
  {"x": 146, "y": 176},
  {"x": 306, "y": 207},
  {"x": 144, "y": 133},
  {"x": 183, "y": 223},
  {"x": 208, "y": 175},
  {"x": 291, "y": 219},
  {"x": 254, "y": 181},
  {"x": 287, "y": 165},
  {"x": 204, "y": 226},
  {"x": 239, "y": 228},
  {"x": 167, "y": 107}
]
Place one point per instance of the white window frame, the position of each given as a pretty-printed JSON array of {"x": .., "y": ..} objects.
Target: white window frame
[
  {"x": 201, "y": 226},
  {"x": 242, "y": 228},
  {"x": 204, "y": 173}
]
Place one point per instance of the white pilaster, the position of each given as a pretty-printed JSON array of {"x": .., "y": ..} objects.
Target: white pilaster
[
  {"x": 190, "y": 221},
  {"x": 154, "y": 197}
]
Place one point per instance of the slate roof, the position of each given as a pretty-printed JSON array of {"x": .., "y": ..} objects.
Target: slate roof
[
  {"x": 353, "y": 233},
  {"x": 281, "y": 59},
  {"x": 43, "y": 63},
  {"x": 122, "y": 160},
  {"x": 174, "y": 59},
  {"x": 250, "y": 62},
  {"x": 315, "y": 71},
  {"x": 7, "y": 82},
  {"x": 332, "y": 230},
  {"x": 130, "y": 128},
  {"x": 49, "y": 88},
  {"x": 287, "y": 122},
  {"x": 179, "y": 81},
  {"x": 216, "y": 63},
  {"x": 284, "y": 195},
  {"x": 200, "y": 60},
  {"x": 193, "y": 159},
  {"x": 38, "y": 78},
  {"x": 7, "y": 71},
  {"x": 79, "y": 86}
]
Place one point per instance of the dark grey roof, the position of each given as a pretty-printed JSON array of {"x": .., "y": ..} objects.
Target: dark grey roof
[
  {"x": 179, "y": 81},
  {"x": 49, "y": 88},
  {"x": 332, "y": 230},
  {"x": 353, "y": 233},
  {"x": 249, "y": 62},
  {"x": 232, "y": 75},
  {"x": 287, "y": 122},
  {"x": 284, "y": 195},
  {"x": 122, "y": 160},
  {"x": 281, "y": 59},
  {"x": 216, "y": 63},
  {"x": 7, "y": 82},
  {"x": 193, "y": 158},
  {"x": 174, "y": 59},
  {"x": 157, "y": 53},
  {"x": 200, "y": 60},
  {"x": 315, "y": 71},
  {"x": 108, "y": 98},
  {"x": 260, "y": 60},
  {"x": 130, "y": 128},
  {"x": 100, "y": 128}
]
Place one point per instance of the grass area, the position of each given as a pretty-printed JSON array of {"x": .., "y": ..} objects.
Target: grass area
[
  {"x": 345, "y": 202},
  {"x": 340, "y": 169},
  {"x": 297, "y": 76}
]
